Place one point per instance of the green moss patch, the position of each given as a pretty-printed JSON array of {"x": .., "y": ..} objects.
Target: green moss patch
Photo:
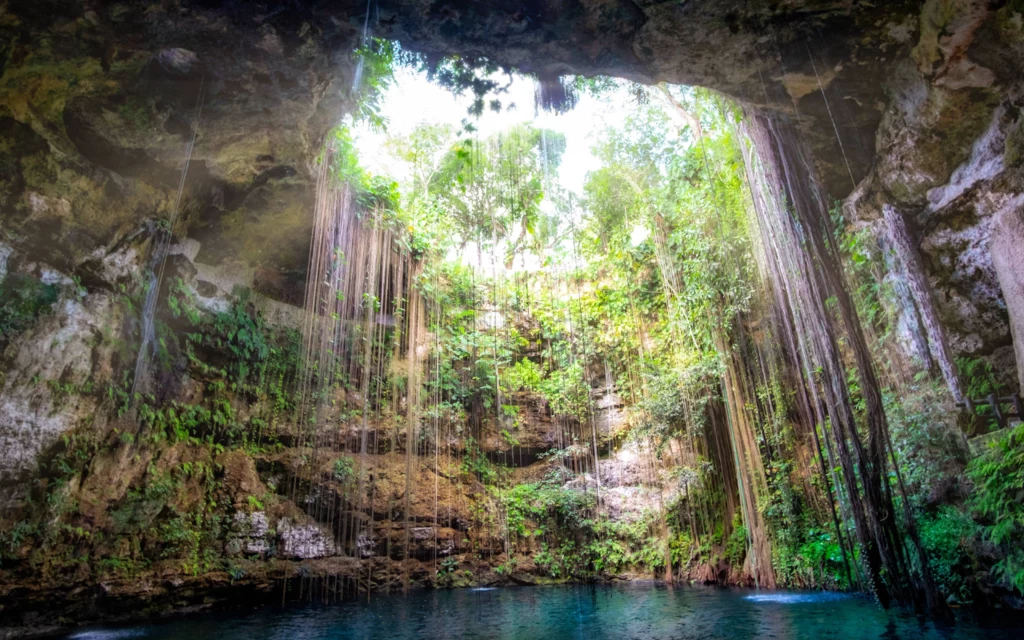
[{"x": 22, "y": 300}]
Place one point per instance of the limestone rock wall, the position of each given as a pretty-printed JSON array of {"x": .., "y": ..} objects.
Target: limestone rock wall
[
  {"x": 99, "y": 101},
  {"x": 946, "y": 164},
  {"x": 1008, "y": 257}
]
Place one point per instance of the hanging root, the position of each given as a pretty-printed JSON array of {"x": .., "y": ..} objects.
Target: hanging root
[{"x": 555, "y": 94}]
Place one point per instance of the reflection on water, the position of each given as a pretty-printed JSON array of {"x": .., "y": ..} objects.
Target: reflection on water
[{"x": 583, "y": 612}]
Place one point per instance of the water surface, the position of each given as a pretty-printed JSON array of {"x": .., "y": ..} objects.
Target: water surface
[{"x": 580, "y": 612}]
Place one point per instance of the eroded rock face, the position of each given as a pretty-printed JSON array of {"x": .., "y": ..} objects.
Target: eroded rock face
[
  {"x": 1008, "y": 257},
  {"x": 120, "y": 103},
  {"x": 942, "y": 162},
  {"x": 303, "y": 541},
  {"x": 99, "y": 103},
  {"x": 48, "y": 367},
  {"x": 249, "y": 535},
  {"x": 917, "y": 104},
  {"x": 61, "y": 376}
]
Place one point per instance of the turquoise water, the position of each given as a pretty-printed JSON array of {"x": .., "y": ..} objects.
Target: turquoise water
[{"x": 580, "y": 612}]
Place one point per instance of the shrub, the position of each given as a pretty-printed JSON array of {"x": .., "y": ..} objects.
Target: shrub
[
  {"x": 736, "y": 545},
  {"x": 946, "y": 536},
  {"x": 344, "y": 471},
  {"x": 998, "y": 476}
]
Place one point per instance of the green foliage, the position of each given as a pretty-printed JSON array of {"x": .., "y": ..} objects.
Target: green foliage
[
  {"x": 998, "y": 498},
  {"x": 118, "y": 566},
  {"x": 736, "y": 545},
  {"x": 182, "y": 303},
  {"x": 344, "y": 470},
  {"x": 448, "y": 574},
  {"x": 236, "y": 350},
  {"x": 22, "y": 300},
  {"x": 524, "y": 375},
  {"x": 567, "y": 392},
  {"x": 12, "y": 537},
  {"x": 369, "y": 191},
  {"x": 574, "y": 543},
  {"x": 241, "y": 334},
  {"x": 192, "y": 423},
  {"x": 376, "y": 60},
  {"x": 928, "y": 443},
  {"x": 532, "y": 509},
  {"x": 489, "y": 191},
  {"x": 978, "y": 378},
  {"x": 948, "y": 537},
  {"x": 563, "y": 561},
  {"x": 663, "y": 406},
  {"x": 475, "y": 464},
  {"x": 622, "y": 545},
  {"x": 142, "y": 505},
  {"x": 805, "y": 551},
  {"x": 135, "y": 112},
  {"x": 235, "y": 573},
  {"x": 462, "y": 73}
]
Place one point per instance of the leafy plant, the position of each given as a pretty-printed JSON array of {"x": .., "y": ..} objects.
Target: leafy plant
[
  {"x": 998, "y": 498},
  {"x": 948, "y": 536},
  {"x": 344, "y": 471},
  {"x": 22, "y": 300}
]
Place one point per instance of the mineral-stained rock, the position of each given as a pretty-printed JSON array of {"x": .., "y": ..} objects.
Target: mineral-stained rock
[
  {"x": 177, "y": 62},
  {"x": 5, "y": 253},
  {"x": 1008, "y": 256},
  {"x": 240, "y": 477},
  {"x": 302, "y": 540},
  {"x": 425, "y": 543},
  {"x": 48, "y": 367},
  {"x": 249, "y": 534}
]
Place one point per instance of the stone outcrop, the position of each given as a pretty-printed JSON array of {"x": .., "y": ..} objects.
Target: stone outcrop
[
  {"x": 99, "y": 102},
  {"x": 941, "y": 166},
  {"x": 1008, "y": 258},
  {"x": 45, "y": 371}
]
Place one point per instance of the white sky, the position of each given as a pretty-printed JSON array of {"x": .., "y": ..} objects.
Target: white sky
[{"x": 413, "y": 99}]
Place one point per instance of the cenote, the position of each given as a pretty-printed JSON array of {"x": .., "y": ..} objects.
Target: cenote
[
  {"x": 511, "y": 318},
  {"x": 522, "y": 613}
]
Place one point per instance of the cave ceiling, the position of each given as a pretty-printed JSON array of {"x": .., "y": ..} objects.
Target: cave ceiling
[{"x": 98, "y": 96}]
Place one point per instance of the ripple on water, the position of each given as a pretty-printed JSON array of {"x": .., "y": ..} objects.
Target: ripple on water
[
  {"x": 796, "y": 598},
  {"x": 108, "y": 635},
  {"x": 575, "y": 612}
]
